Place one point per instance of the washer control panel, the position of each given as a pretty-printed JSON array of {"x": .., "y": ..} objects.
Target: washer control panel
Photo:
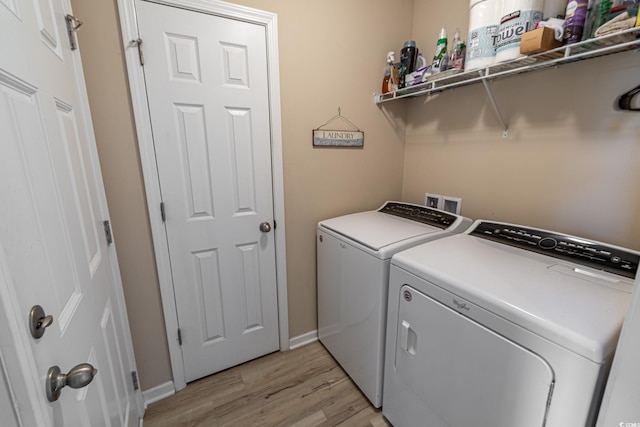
[
  {"x": 421, "y": 214},
  {"x": 575, "y": 249}
]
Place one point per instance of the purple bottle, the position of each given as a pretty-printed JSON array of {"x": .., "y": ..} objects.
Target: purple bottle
[{"x": 575, "y": 17}]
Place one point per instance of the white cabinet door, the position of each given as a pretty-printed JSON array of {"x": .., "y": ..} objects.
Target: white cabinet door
[
  {"x": 53, "y": 251},
  {"x": 208, "y": 97},
  {"x": 465, "y": 374}
]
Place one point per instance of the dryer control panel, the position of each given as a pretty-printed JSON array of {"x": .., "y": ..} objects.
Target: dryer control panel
[
  {"x": 421, "y": 214},
  {"x": 570, "y": 248}
]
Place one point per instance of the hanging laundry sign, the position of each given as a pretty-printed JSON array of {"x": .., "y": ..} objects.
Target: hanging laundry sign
[
  {"x": 337, "y": 138},
  {"x": 323, "y": 137}
]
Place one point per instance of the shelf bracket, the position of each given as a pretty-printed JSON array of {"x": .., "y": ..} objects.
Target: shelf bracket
[{"x": 505, "y": 128}]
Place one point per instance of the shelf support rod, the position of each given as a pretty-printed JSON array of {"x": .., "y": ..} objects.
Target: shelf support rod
[{"x": 505, "y": 128}]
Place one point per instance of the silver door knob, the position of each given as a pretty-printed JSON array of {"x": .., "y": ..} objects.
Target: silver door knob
[
  {"x": 265, "y": 227},
  {"x": 38, "y": 322},
  {"x": 79, "y": 376}
]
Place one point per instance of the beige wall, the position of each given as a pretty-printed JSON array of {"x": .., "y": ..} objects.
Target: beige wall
[
  {"x": 326, "y": 50},
  {"x": 570, "y": 163}
]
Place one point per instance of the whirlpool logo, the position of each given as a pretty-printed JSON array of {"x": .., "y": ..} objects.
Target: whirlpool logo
[{"x": 464, "y": 306}]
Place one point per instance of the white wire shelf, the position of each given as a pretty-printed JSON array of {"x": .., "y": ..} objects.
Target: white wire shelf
[{"x": 606, "y": 45}]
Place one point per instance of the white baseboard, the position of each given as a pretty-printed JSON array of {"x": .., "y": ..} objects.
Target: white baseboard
[
  {"x": 303, "y": 339},
  {"x": 158, "y": 393}
]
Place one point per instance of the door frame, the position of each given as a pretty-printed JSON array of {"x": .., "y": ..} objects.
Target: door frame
[{"x": 150, "y": 171}]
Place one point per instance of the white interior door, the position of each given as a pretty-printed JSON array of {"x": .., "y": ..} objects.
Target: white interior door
[
  {"x": 208, "y": 95},
  {"x": 53, "y": 250}
]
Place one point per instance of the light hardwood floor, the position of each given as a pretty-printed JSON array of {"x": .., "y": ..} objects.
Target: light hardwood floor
[{"x": 300, "y": 388}]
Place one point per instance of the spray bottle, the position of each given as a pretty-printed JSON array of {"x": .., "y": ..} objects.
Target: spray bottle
[
  {"x": 441, "y": 58},
  {"x": 390, "y": 82},
  {"x": 458, "y": 53}
]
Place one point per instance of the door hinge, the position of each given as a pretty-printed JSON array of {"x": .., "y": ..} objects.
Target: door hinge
[
  {"x": 163, "y": 215},
  {"x": 179, "y": 336},
  {"x": 107, "y": 232},
  {"x": 134, "y": 379},
  {"x": 73, "y": 24},
  {"x": 138, "y": 43}
]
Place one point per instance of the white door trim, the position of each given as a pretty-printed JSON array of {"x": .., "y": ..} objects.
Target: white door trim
[{"x": 150, "y": 172}]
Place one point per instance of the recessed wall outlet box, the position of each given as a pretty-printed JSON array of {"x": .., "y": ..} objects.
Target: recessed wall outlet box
[
  {"x": 433, "y": 201},
  {"x": 452, "y": 204}
]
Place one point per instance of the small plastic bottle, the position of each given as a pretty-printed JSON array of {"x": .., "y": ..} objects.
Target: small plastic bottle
[
  {"x": 458, "y": 53},
  {"x": 441, "y": 57},
  {"x": 395, "y": 75}
]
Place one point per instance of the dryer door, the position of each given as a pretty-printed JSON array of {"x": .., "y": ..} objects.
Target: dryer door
[{"x": 467, "y": 375}]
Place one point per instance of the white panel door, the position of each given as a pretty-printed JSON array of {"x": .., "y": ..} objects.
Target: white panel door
[
  {"x": 208, "y": 98},
  {"x": 53, "y": 250}
]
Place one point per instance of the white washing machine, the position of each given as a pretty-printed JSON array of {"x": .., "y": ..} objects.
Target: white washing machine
[
  {"x": 503, "y": 326},
  {"x": 353, "y": 256}
]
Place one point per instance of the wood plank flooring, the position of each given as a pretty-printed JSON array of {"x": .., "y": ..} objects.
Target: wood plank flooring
[{"x": 304, "y": 387}]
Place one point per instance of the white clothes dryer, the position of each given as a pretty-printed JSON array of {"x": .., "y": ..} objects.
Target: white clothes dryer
[
  {"x": 353, "y": 256},
  {"x": 503, "y": 326}
]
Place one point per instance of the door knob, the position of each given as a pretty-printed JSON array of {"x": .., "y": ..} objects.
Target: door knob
[
  {"x": 38, "y": 322},
  {"x": 79, "y": 376},
  {"x": 265, "y": 227}
]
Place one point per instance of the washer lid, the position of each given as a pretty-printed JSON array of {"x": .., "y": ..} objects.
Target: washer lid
[
  {"x": 377, "y": 230},
  {"x": 576, "y": 307}
]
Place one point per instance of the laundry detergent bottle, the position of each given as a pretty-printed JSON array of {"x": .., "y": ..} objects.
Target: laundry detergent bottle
[
  {"x": 441, "y": 57},
  {"x": 408, "y": 57}
]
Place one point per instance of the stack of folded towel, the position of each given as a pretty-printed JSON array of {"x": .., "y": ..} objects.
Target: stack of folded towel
[{"x": 619, "y": 23}]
